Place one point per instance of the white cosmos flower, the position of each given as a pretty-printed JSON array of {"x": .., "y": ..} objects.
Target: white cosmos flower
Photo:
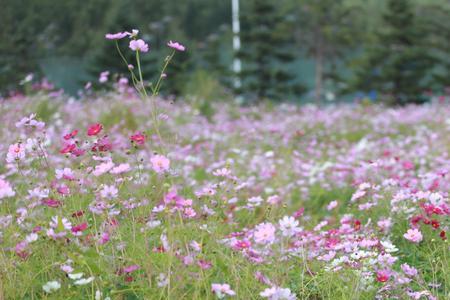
[
  {"x": 51, "y": 286},
  {"x": 388, "y": 246},
  {"x": 75, "y": 276},
  {"x": 84, "y": 281},
  {"x": 289, "y": 226}
]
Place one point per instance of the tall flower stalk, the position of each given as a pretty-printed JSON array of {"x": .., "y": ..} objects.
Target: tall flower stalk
[{"x": 140, "y": 46}]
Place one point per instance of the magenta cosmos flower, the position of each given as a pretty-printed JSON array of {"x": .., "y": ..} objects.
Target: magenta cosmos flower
[
  {"x": 116, "y": 36},
  {"x": 176, "y": 46},
  {"x": 139, "y": 45}
]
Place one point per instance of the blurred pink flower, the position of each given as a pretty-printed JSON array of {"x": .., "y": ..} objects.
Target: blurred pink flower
[
  {"x": 16, "y": 152},
  {"x": 5, "y": 189},
  {"x": 116, "y": 36},
  {"x": 408, "y": 270},
  {"x": 264, "y": 233},
  {"x": 222, "y": 289},
  {"x": 160, "y": 163},
  {"x": 103, "y": 77},
  {"x": 177, "y": 46},
  {"x": 131, "y": 268},
  {"x": 413, "y": 235},
  {"x": 139, "y": 45}
]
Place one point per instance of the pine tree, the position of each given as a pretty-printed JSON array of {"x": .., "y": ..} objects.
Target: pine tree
[
  {"x": 328, "y": 30},
  {"x": 266, "y": 53},
  {"x": 436, "y": 21},
  {"x": 396, "y": 64},
  {"x": 212, "y": 54}
]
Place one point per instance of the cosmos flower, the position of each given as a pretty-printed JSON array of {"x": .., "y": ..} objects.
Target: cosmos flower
[
  {"x": 277, "y": 293},
  {"x": 383, "y": 275},
  {"x": 221, "y": 290},
  {"x": 109, "y": 192},
  {"x": 288, "y": 226},
  {"x": 332, "y": 205},
  {"x": 84, "y": 281},
  {"x": 103, "y": 77},
  {"x": 408, "y": 270},
  {"x": 264, "y": 233},
  {"x": 138, "y": 45},
  {"x": 116, "y": 36},
  {"x": 138, "y": 138},
  {"x": 160, "y": 163},
  {"x": 120, "y": 169},
  {"x": 413, "y": 235},
  {"x": 94, "y": 129},
  {"x": 51, "y": 286},
  {"x": 131, "y": 268},
  {"x": 6, "y": 189},
  {"x": 16, "y": 152},
  {"x": 177, "y": 46}
]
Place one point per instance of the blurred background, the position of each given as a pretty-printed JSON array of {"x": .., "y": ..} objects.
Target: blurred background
[{"x": 291, "y": 50}]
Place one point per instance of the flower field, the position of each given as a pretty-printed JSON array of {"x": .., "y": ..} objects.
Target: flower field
[{"x": 263, "y": 202}]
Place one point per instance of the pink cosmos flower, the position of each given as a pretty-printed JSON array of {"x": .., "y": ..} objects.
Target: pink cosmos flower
[
  {"x": 6, "y": 189},
  {"x": 274, "y": 199},
  {"x": 413, "y": 235},
  {"x": 103, "y": 168},
  {"x": 131, "y": 268},
  {"x": 116, "y": 36},
  {"x": 189, "y": 212},
  {"x": 264, "y": 233},
  {"x": 160, "y": 163},
  {"x": 138, "y": 45},
  {"x": 222, "y": 290},
  {"x": 30, "y": 122},
  {"x": 16, "y": 152},
  {"x": 20, "y": 249},
  {"x": 188, "y": 260},
  {"x": 67, "y": 268},
  {"x": 109, "y": 192},
  {"x": 65, "y": 173},
  {"x": 122, "y": 168},
  {"x": 384, "y": 224},
  {"x": 103, "y": 77},
  {"x": 104, "y": 238},
  {"x": 277, "y": 293},
  {"x": 332, "y": 205},
  {"x": 409, "y": 271},
  {"x": 203, "y": 264},
  {"x": 177, "y": 46}
]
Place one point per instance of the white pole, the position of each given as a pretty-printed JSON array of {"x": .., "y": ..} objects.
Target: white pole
[{"x": 236, "y": 42}]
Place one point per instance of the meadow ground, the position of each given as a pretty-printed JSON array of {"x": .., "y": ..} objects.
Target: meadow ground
[{"x": 270, "y": 201}]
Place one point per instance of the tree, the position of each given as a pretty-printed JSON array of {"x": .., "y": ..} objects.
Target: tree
[
  {"x": 396, "y": 63},
  {"x": 266, "y": 52},
  {"x": 328, "y": 30},
  {"x": 435, "y": 19}
]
